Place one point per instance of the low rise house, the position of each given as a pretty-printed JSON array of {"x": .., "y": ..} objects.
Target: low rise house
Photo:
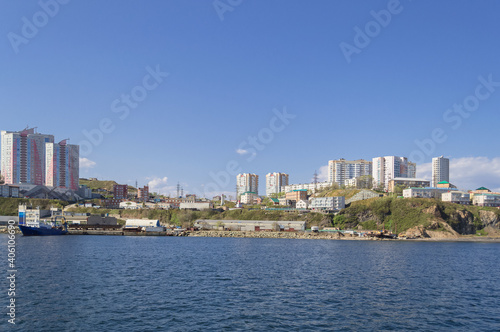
[
  {"x": 166, "y": 206},
  {"x": 149, "y": 205},
  {"x": 286, "y": 202},
  {"x": 445, "y": 184},
  {"x": 302, "y": 204},
  {"x": 458, "y": 197},
  {"x": 327, "y": 203},
  {"x": 275, "y": 201},
  {"x": 297, "y": 195}
]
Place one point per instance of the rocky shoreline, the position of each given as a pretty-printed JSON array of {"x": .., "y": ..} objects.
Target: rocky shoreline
[
  {"x": 428, "y": 236},
  {"x": 330, "y": 236}
]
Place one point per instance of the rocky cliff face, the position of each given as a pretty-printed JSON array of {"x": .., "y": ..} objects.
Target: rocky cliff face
[
  {"x": 462, "y": 221},
  {"x": 425, "y": 217},
  {"x": 489, "y": 219}
]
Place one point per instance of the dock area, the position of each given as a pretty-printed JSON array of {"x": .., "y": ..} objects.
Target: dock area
[{"x": 122, "y": 233}]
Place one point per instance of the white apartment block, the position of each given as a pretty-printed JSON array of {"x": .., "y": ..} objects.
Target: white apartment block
[
  {"x": 247, "y": 182},
  {"x": 248, "y": 198},
  {"x": 412, "y": 170},
  {"x": 274, "y": 182},
  {"x": 457, "y": 197},
  {"x": 387, "y": 168},
  {"x": 426, "y": 192},
  {"x": 486, "y": 200},
  {"x": 327, "y": 203},
  {"x": 440, "y": 170},
  {"x": 341, "y": 170}
]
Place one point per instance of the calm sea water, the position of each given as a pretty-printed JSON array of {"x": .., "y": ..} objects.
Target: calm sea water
[{"x": 112, "y": 283}]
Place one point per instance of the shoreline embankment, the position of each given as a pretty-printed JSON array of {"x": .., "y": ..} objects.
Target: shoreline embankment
[{"x": 281, "y": 235}]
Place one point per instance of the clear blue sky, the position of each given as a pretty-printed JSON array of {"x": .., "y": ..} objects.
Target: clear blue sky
[{"x": 225, "y": 78}]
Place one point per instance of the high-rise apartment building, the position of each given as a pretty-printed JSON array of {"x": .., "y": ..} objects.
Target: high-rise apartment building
[
  {"x": 387, "y": 168},
  {"x": 440, "y": 170},
  {"x": 412, "y": 170},
  {"x": 274, "y": 182},
  {"x": 23, "y": 156},
  {"x": 143, "y": 194},
  {"x": 341, "y": 170},
  {"x": 62, "y": 165},
  {"x": 247, "y": 182},
  {"x": 120, "y": 191}
]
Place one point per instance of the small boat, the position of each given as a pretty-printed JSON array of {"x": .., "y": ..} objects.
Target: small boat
[{"x": 30, "y": 224}]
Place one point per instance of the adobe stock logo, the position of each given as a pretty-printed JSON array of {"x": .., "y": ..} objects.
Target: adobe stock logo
[
  {"x": 372, "y": 29},
  {"x": 223, "y": 6},
  {"x": 30, "y": 28}
]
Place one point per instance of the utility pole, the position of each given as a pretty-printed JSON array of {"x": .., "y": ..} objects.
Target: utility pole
[{"x": 315, "y": 180}]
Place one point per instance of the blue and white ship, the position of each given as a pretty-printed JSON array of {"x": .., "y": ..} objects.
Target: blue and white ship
[{"x": 30, "y": 224}]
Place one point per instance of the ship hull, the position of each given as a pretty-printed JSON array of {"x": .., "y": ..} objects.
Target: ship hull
[{"x": 35, "y": 231}]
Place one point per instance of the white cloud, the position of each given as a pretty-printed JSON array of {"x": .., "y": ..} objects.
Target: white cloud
[
  {"x": 86, "y": 163},
  {"x": 469, "y": 172},
  {"x": 160, "y": 185},
  {"x": 242, "y": 151},
  {"x": 424, "y": 171},
  {"x": 323, "y": 174}
]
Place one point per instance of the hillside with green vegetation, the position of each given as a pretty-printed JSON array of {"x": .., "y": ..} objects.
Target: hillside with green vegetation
[
  {"x": 105, "y": 184},
  {"x": 347, "y": 193},
  {"x": 9, "y": 206},
  {"x": 399, "y": 215}
]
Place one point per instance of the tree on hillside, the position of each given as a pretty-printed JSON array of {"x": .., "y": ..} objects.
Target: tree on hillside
[
  {"x": 398, "y": 189},
  {"x": 278, "y": 195},
  {"x": 365, "y": 182}
]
